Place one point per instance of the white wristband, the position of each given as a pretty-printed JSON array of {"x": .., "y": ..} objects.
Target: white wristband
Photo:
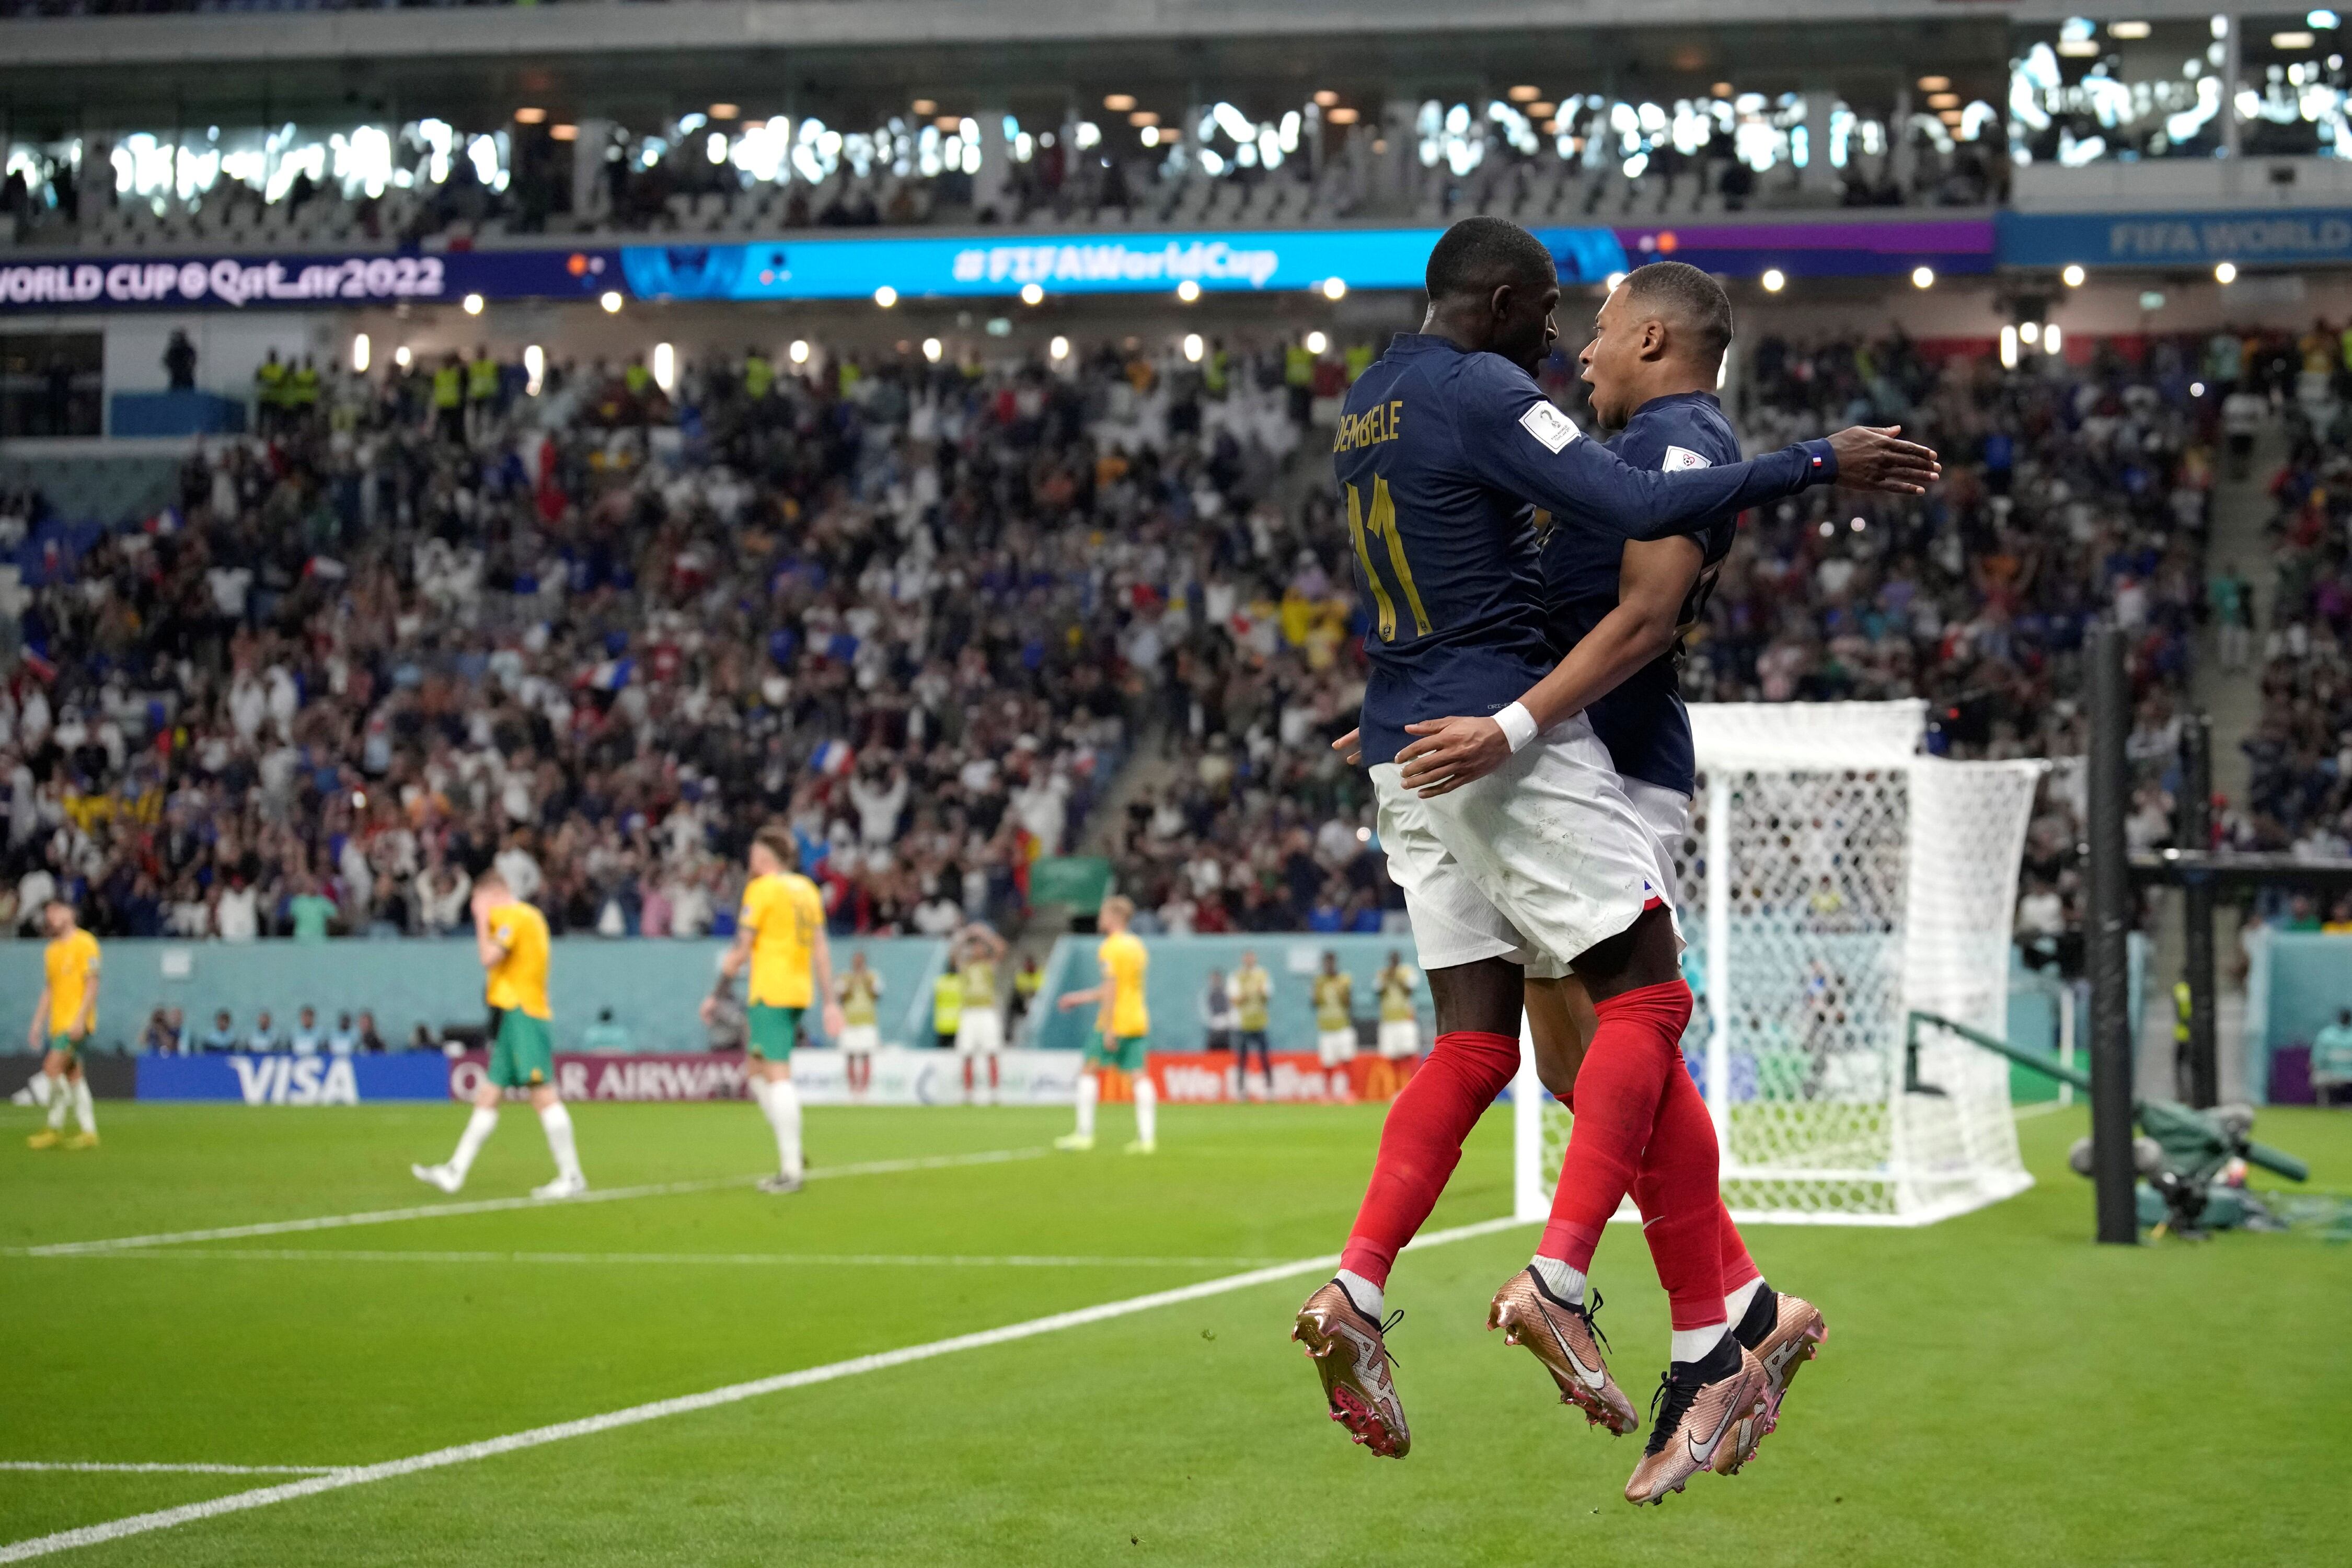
[{"x": 1518, "y": 725}]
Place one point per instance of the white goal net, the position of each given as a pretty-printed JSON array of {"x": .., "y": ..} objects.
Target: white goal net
[{"x": 1835, "y": 880}]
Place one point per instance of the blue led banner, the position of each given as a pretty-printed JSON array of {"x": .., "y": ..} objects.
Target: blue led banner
[
  {"x": 1093, "y": 263},
  {"x": 2283, "y": 237}
]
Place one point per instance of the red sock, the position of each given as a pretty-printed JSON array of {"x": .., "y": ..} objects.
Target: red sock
[
  {"x": 1618, "y": 1087},
  {"x": 1421, "y": 1143},
  {"x": 1692, "y": 1239},
  {"x": 1738, "y": 1268}
]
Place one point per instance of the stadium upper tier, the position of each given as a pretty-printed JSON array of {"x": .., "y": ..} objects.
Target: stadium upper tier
[{"x": 1041, "y": 129}]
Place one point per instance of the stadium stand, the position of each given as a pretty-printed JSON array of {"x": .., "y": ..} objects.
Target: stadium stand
[
  {"x": 908, "y": 607},
  {"x": 441, "y": 642}
]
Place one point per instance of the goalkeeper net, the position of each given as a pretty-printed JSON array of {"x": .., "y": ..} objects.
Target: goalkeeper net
[{"x": 1834, "y": 879}]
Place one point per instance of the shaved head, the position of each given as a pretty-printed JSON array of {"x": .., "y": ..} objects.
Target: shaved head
[
  {"x": 1480, "y": 254},
  {"x": 1697, "y": 311}
]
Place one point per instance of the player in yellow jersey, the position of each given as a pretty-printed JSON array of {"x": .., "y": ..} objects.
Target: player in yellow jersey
[
  {"x": 1400, "y": 1036},
  {"x": 979, "y": 1029},
  {"x": 510, "y": 939},
  {"x": 63, "y": 1019},
  {"x": 1123, "y": 1025},
  {"x": 780, "y": 933},
  {"x": 859, "y": 991},
  {"x": 1334, "y": 1026}
]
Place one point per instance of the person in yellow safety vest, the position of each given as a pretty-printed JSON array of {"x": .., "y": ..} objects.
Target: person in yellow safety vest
[
  {"x": 1027, "y": 981},
  {"x": 1360, "y": 360},
  {"x": 481, "y": 391},
  {"x": 2181, "y": 1010},
  {"x": 1217, "y": 374},
  {"x": 1298, "y": 375},
  {"x": 302, "y": 391},
  {"x": 759, "y": 376},
  {"x": 268, "y": 393},
  {"x": 947, "y": 1007},
  {"x": 450, "y": 399}
]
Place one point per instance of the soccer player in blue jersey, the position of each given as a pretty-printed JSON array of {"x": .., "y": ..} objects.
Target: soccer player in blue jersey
[
  {"x": 1618, "y": 619},
  {"x": 1445, "y": 449}
]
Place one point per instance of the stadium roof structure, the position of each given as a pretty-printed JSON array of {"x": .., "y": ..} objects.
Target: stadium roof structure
[{"x": 609, "y": 56}]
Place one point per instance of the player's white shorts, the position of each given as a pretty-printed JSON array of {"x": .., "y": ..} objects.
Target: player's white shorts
[
  {"x": 1336, "y": 1045},
  {"x": 1542, "y": 859},
  {"x": 860, "y": 1039},
  {"x": 1400, "y": 1039},
  {"x": 1666, "y": 813},
  {"x": 979, "y": 1029}
]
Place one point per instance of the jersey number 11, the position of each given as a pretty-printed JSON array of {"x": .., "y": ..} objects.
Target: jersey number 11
[{"x": 1379, "y": 521}]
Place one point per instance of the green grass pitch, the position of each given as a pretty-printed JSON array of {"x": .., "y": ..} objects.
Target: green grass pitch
[{"x": 1995, "y": 1389}]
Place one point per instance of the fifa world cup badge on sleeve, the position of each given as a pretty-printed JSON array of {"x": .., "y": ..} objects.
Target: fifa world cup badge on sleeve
[{"x": 1548, "y": 425}]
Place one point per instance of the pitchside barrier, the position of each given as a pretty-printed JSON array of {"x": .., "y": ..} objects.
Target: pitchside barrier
[{"x": 652, "y": 986}]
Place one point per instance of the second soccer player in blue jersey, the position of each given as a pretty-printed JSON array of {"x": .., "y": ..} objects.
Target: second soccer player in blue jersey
[{"x": 1506, "y": 823}]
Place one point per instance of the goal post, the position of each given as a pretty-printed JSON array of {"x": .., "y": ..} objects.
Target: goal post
[{"x": 1835, "y": 880}]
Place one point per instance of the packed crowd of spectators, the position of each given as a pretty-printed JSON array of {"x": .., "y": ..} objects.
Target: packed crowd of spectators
[
  {"x": 2070, "y": 491},
  {"x": 2299, "y": 793},
  {"x": 596, "y": 636},
  {"x": 923, "y": 610}
]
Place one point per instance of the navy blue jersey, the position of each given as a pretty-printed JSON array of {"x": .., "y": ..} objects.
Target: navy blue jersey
[
  {"x": 1442, "y": 456},
  {"x": 1643, "y": 722}
]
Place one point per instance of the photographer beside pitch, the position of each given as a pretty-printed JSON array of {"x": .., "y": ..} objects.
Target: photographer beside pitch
[{"x": 1445, "y": 447}]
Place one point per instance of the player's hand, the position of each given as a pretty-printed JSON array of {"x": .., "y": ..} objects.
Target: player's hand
[
  {"x": 1450, "y": 753},
  {"x": 1350, "y": 747},
  {"x": 709, "y": 1009},
  {"x": 1871, "y": 458},
  {"x": 1067, "y": 1004},
  {"x": 834, "y": 1026}
]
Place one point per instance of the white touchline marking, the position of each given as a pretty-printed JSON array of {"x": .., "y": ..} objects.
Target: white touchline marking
[
  {"x": 494, "y": 1205},
  {"x": 685, "y": 1405},
  {"x": 811, "y": 1259},
  {"x": 168, "y": 1469}
]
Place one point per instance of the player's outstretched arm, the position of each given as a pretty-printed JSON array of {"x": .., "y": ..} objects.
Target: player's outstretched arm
[{"x": 1515, "y": 440}]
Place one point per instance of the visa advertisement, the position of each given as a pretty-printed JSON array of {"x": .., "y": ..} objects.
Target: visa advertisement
[
  {"x": 285, "y": 1079},
  {"x": 1093, "y": 262}
]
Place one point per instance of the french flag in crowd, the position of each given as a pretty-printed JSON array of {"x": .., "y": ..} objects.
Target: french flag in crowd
[
  {"x": 833, "y": 758},
  {"x": 612, "y": 674}
]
